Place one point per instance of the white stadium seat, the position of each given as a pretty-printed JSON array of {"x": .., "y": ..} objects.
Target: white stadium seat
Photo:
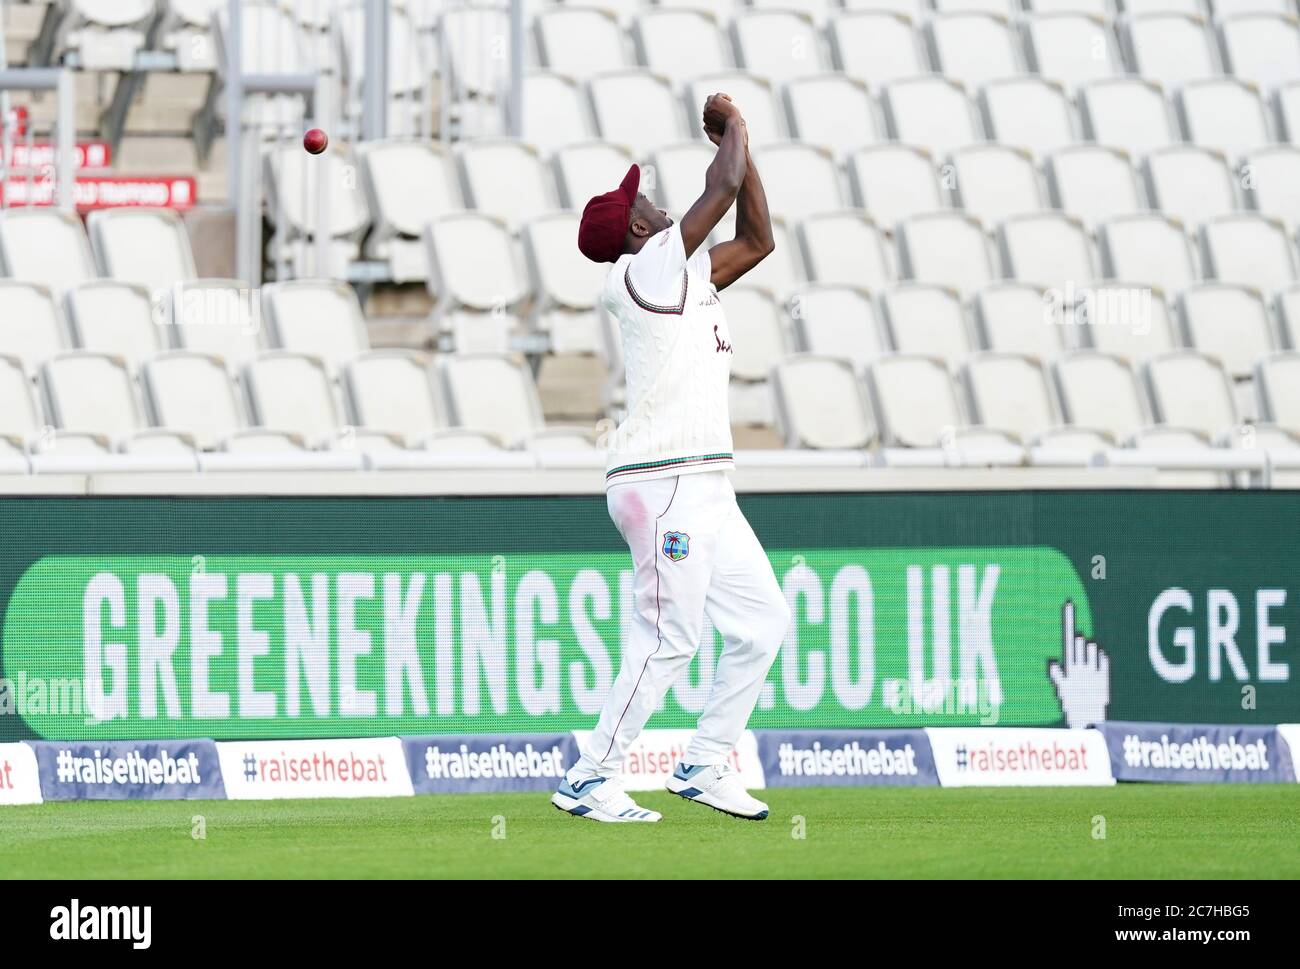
[
  {"x": 894, "y": 182},
  {"x": 1250, "y": 249},
  {"x": 947, "y": 248},
  {"x": 1009, "y": 392},
  {"x": 1272, "y": 181},
  {"x": 396, "y": 391},
  {"x": 1190, "y": 184},
  {"x": 777, "y": 44},
  {"x": 563, "y": 276},
  {"x": 656, "y": 121},
  {"x": 146, "y": 246},
  {"x": 766, "y": 343},
  {"x": 974, "y": 48},
  {"x": 45, "y": 246},
  {"x": 674, "y": 179},
  {"x": 1147, "y": 248},
  {"x": 1072, "y": 47},
  {"x": 1228, "y": 322},
  {"x": 782, "y": 271},
  {"x": 556, "y": 111},
  {"x": 316, "y": 317},
  {"x": 218, "y": 316},
  {"x": 1286, "y": 110},
  {"x": 914, "y": 400},
  {"x": 90, "y": 392},
  {"x": 1263, "y": 49},
  {"x": 1225, "y": 113},
  {"x": 32, "y": 328},
  {"x": 21, "y": 422},
  {"x": 1129, "y": 113},
  {"x": 192, "y": 393},
  {"x": 994, "y": 182},
  {"x": 292, "y": 392},
  {"x": 473, "y": 30},
  {"x": 1093, "y": 183},
  {"x": 821, "y": 403},
  {"x": 1170, "y": 49},
  {"x": 473, "y": 264},
  {"x": 408, "y": 184},
  {"x": 932, "y": 112},
  {"x": 799, "y": 180},
  {"x": 838, "y": 321},
  {"x": 1048, "y": 248},
  {"x": 1277, "y": 381},
  {"x": 588, "y": 169},
  {"x": 117, "y": 318},
  {"x": 831, "y": 110},
  {"x": 1130, "y": 321},
  {"x": 579, "y": 41},
  {"x": 876, "y": 47},
  {"x": 754, "y": 95},
  {"x": 292, "y": 191},
  {"x": 1099, "y": 391},
  {"x": 680, "y": 44},
  {"x": 928, "y": 321},
  {"x": 845, "y": 249},
  {"x": 506, "y": 179},
  {"x": 493, "y": 393},
  {"x": 1012, "y": 317},
  {"x": 1190, "y": 390},
  {"x": 1029, "y": 112},
  {"x": 1286, "y": 308}
]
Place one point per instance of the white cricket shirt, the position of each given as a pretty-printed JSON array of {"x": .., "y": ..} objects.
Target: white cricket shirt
[{"x": 677, "y": 359}]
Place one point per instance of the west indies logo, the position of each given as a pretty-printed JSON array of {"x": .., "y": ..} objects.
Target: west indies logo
[{"x": 677, "y": 545}]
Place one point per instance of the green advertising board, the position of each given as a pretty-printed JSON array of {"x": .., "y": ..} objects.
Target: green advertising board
[{"x": 277, "y": 618}]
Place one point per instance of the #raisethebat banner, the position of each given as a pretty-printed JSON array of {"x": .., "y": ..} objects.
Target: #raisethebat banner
[{"x": 274, "y": 618}]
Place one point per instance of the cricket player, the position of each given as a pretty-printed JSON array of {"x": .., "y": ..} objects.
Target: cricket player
[{"x": 667, "y": 488}]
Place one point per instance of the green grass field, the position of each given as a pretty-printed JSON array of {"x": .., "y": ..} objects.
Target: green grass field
[{"x": 1164, "y": 831}]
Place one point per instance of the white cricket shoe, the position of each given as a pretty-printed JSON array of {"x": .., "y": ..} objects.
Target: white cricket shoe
[
  {"x": 600, "y": 799},
  {"x": 718, "y": 786}
]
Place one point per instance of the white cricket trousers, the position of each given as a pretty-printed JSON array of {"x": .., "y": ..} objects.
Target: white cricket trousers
[{"x": 693, "y": 555}]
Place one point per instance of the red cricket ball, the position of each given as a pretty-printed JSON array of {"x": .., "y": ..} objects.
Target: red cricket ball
[{"x": 315, "y": 141}]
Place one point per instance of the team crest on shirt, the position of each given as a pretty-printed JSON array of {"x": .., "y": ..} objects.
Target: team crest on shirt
[{"x": 677, "y": 545}]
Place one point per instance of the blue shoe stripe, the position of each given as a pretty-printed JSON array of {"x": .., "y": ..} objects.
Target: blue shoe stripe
[
  {"x": 580, "y": 810},
  {"x": 691, "y": 792}
]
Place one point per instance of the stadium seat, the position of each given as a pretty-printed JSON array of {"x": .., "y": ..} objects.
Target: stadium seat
[
  {"x": 821, "y": 403},
  {"x": 1190, "y": 184},
  {"x": 1028, "y": 112},
  {"x": 107, "y": 34},
  {"x": 1249, "y": 249},
  {"x": 1171, "y": 49},
  {"x": 1126, "y": 320},
  {"x": 777, "y": 44},
  {"x": 1072, "y": 47},
  {"x": 680, "y": 44},
  {"x": 1190, "y": 390},
  {"x": 1129, "y": 113},
  {"x": 947, "y": 248},
  {"x": 291, "y": 176},
  {"x": 931, "y": 112},
  {"x": 222, "y": 317},
  {"x": 1009, "y": 392},
  {"x": 876, "y": 47},
  {"x": 894, "y": 182},
  {"x": 116, "y": 318},
  {"x": 845, "y": 249},
  {"x": 1048, "y": 248},
  {"x": 21, "y": 422},
  {"x": 766, "y": 343},
  {"x": 1098, "y": 391},
  {"x": 32, "y": 328},
  {"x": 409, "y": 75},
  {"x": 838, "y": 321},
  {"x": 471, "y": 30},
  {"x": 926, "y": 320},
  {"x": 506, "y": 179},
  {"x": 563, "y": 277},
  {"x": 1263, "y": 49},
  {"x": 1272, "y": 182},
  {"x": 799, "y": 180},
  {"x": 556, "y": 111},
  {"x": 493, "y": 393},
  {"x": 186, "y": 31},
  {"x": 1093, "y": 183},
  {"x": 146, "y": 246},
  {"x": 579, "y": 41},
  {"x": 1012, "y": 317},
  {"x": 1147, "y": 248},
  {"x": 1286, "y": 111},
  {"x": 674, "y": 179},
  {"x": 914, "y": 9},
  {"x": 473, "y": 263},
  {"x": 1277, "y": 382},
  {"x": 782, "y": 271},
  {"x": 408, "y": 185},
  {"x": 1224, "y": 113},
  {"x": 588, "y": 169},
  {"x": 994, "y": 182},
  {"x": 753, "y": 93},
  {"x": 1286, "y": 308},
  {"x": 272, "y": 42},
  {"x": 974, "y": 48},
  {"x": 395, "y": 390},
  {"x": 656, "y": 121},
  {"x": 1227, "y": 322},
  {"x": 316, "y": 317},
  {"x": 914, "y": 400},
  {"x": 833, "y": 111},
  {"x": 192, "y": 393},
  {"x": 260, "y": 440},
  {"x": 1000, "y": 8},
  {"x": 90, "y": 392},
  {"x": 45, "y": 246},
  {"x": 292, "y": 392}
]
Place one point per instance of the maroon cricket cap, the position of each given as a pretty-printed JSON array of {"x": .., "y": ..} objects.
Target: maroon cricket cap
[{"x": 606, "y": 218}]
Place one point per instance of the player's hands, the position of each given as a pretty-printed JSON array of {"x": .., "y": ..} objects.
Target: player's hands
[{"x": 719, "y": 111}]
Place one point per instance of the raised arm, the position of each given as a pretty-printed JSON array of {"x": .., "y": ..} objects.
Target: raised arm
[
  {"x": 725, "y": 175},
  {"x": 753, "y": 241}
]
